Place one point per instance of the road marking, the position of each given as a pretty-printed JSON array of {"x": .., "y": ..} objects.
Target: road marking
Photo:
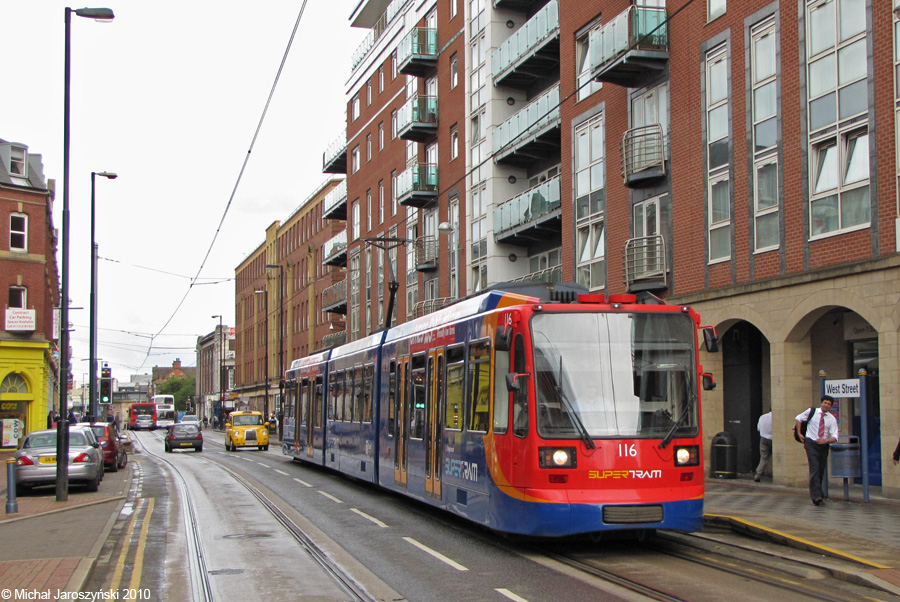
[
  {"x": 304, "y": 483},
  {"x": 138, "y": 567},
  {"x": 266, "y": 465},
  {"x": 371, "y": 518},
  {"x": 436, "y": 554},
  {"x": 331, "y": 497},
  {"x": 248, "y": 460},
  {"x": 120, "y": 563},
  {"x": 510, "y": 595},
  {"x": 281, "y": 472}
]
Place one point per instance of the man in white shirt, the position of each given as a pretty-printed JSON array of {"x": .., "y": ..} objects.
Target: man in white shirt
[
  {"x": 821, "y": 431},
  {"x": 764, "y": 426}
]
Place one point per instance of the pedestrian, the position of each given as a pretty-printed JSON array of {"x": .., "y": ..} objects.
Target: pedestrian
[
  {"x": 52, "y": 417},
  {"x": 72, "y": 418},
  {"x": 764, "y": 426},
  {"x": 215, "y": 421},
  {"x": 205, "y": 421},
  {"x": 821, "y": 430},
  {"x": 897, "y": 453}
]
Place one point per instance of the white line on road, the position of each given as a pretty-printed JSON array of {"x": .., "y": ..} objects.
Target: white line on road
[
  {"x": 331, "y": 497},
  {"x": 247, "y": 459},
  {"x": 371, "y": 518},
  {"x": 436, "y": 554},
  {"x": 510, "y": 595},
  {"x": 304, "y": 483},
  {"x": 281, "y": 472},
  {"x": 266, "y": 465}
]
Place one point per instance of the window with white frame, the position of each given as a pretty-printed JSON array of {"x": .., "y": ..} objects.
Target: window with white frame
[
  {"x": 545, "y": 264},
  {"x": 381, "y": 136},
  {"x": 718, "y": 154},
  {"x": 393, "y": 193},
  {"x": 764, "y": 80},
  {"x": 480, "y": 74},
  {"x": 454, "y": 142},
  {"x": 355, "y": 108},
  {"x": 647, "y": 260},
  {"x": 590, "y": 176},
  {"x": 394, "y": 65},
  {"x": 838, "y": 104},
  {"x": 18, "y": 161},
  {"x": 454, "y": 71},
  {"x": 18, "y": 232},
  {"x": 369, "y": 209},
  {"x": 368, "y": 147},
  {"x": 478, "y": 222},
  {"x": 380, "y": 80},
  {"x": 585, "y": 82},
  {"x": 380, "y": 201},
  {"x": 479, "y": 277},
  {"x": 590, "y": 248},
  {"x": 368, "y": 93},
  {"x": 453, "y": 8},
  {"x": 354, "y": 160},
  {"x": 393, "y": 125},
  {"x": 367, "y": 286},
  {"x": 715, "y": 9},
  {"x": 354, "y": 220},
  {"x": 18, "y": 297},
  {"x": 354, "y": 277}
]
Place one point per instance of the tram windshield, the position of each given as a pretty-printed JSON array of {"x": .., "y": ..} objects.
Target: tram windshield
[{"x": 615, "y": 375}]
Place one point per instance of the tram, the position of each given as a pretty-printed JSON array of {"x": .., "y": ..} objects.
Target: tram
[{"x": 536, "y": 416}]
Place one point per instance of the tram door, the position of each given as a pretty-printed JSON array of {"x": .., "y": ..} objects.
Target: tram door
[
  {"x": 400, "y": 420},
  {"x": 434, "y": 423},
  {"x": 298, "y": 413},
  {"x": 313, "y": 414}
]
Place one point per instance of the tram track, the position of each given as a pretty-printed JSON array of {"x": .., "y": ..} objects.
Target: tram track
[{"x": 201, "y": 585}]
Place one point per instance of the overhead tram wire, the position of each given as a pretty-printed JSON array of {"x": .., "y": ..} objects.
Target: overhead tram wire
[{"x": 237, "y": 183}]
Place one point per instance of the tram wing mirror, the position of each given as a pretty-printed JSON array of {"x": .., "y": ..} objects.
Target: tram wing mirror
[
  {"x": 709, "y": 383},
  {"x": 711, "y": 339},
  {"x": 512, "y": 381},
  {"x": 503, "y": 338}
]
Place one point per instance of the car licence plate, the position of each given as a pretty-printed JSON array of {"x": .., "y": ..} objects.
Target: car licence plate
[
  {"x": 48, "y": 460},
  {"x": 186, "y": 444}
]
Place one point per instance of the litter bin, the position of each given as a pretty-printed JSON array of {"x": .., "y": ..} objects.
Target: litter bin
[
  {"x": 845, "y": 458},
  {"x": 724, "y": 456}
]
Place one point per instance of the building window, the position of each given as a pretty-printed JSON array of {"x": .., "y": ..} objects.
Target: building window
[
  {"x": 381, "y": 201},
  {"x": 394, "y": 65},
  {"x": 765, "y": 135},
  {"x": 589, "y": 168},
  {"x": 354, "y": 160},
  {"x": 837, "y": 107},
  {"x": 368, "y": 147},
  {"x": 766, "y": 204},
  {"x": 18, "y": 161},
  {"x": 354, "y": 220},
  {"x": 454, "y": 71},
  {"x": 393, "y": 125},
  {"x": 591, "y": 254},
  {"x": 18, "y": 297},
  {"x": 715, "y": 9},
  {"x": 478, "y": 219},
  {"x": 454, "y": 142},
  {"x": 718, "y": 142},
  {"x": 381, "y": 136},
  {"x": 355, "y": 109},
  {"x": 586, "y": 84},
  {"x": 453, "y": 8},
  {"x": 368, "y": 93},
  {"x": 18, "y": 232},
  {"x": 393, "y": 193},
  {"x": 380, "y": 80}
]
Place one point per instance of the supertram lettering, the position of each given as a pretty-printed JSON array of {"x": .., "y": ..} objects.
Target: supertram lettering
[
  {"x": 624, "y": 474},
  {"x": 461, "y": 469}
]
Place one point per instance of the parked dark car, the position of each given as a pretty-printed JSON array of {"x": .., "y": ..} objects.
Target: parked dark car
[
  {"x": 114, "y": 456},
  {"x": 36, "y": 459},
  {"x": 184, "y": 436}
]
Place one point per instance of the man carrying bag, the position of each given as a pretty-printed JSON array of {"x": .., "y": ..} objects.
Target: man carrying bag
[{"x": 821, "y": 431}]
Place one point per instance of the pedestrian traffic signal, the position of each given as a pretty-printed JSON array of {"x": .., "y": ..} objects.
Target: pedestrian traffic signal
[{"x": 105, "y": 390}]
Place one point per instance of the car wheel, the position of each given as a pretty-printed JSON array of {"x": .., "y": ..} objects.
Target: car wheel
[
  {"x": 114, "y": 467},
  {"x": 168, "y": 449},
  {"x": 123, "y": 461},
  {"x": 265, "y": 447},
  {"x": 94, "y": 485},
  {"x": 227, "y": 445},
  {"x": 200, "y": 449}
]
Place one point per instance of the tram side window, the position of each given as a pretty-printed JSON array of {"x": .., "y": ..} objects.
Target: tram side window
[
  {"x": 520, "y": 397},
  {"x": 392, "y": 395},
  {"x": 369, "y": 380},
  {"x": 317, "y": 403},
  {"x": 359, "y": 393},
  {"x": 290, "y": 397},
  {"x": 501, "y": 395},
  {"x": 304, "y": 397},
  {"x": 417, "y": 416},
  {"x": 456, "y": 357},
  {"x": 334, "y": 400},
  {"x": 349, "y": 385},
  {"x": 479, "y": 385}
]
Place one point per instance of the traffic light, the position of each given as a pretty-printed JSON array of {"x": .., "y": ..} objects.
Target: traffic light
[{"x": 105, "y": 390}]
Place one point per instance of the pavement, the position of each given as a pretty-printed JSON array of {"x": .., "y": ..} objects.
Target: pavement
[{"x": 57, "y": 543}]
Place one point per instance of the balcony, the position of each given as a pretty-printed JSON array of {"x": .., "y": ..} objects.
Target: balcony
[
  {"x": 335, "y": 204},
  {"x": 334, "y": 159},
  {"x": 333, "y": 339},
  {"x": 417, "y": 53},
  {"x": 334, "y": 298},
  {"x": 534, "y": 215},
  {"x": 643, "y": 155},
  {"x": 378, "y": 17},
  {"x": 553, "y": 275},
  {"x": 417, "y": 120},
  {"x": 632, "y": 48},
  {"x": 427, "y": 252},
  {"x": 334, "y": 252},
  {"x": 522, "y": 6},
  {"x": 532, "y": 133},
  {"x": 645, "y": 264},
  {"x": 530, "y": 53},
  {"x": 418, "y": 185},
  {"x": 423, "y": 308}
]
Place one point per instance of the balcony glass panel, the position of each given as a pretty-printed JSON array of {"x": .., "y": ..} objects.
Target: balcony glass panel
[
  {"x": 377, "y": 30},
  {"x": 420, "y": 41},
  {"x": 336, "y": 245},
  {"x": 540, "y": 112},
  {"x": 418, "y": 178},
  {"x": 336, "y": 148},
  {"x": 419, "y": 109},
  {"x": 335, "y": 197},
  {"x": 544, "y": 24},
  {"x": 528, "y": 206},
  {"x": 643, "y": 24}
]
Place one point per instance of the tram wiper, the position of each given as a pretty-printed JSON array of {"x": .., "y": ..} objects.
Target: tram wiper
[
  {"x": 671, "y": 434},
  {"x": 573, "y": 415}
]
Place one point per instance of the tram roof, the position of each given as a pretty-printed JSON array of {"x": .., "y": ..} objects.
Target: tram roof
[
  {"x": 315, "y": 358},
  {"x": 373, "y": 340}
]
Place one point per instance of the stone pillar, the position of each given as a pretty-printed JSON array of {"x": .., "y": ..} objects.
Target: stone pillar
[{"x": 792, "y": 387}]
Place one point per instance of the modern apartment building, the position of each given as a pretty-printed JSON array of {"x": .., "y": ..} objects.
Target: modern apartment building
[
  {"x": 720, "y": 154},
  {"x": 29, "y": 353}
]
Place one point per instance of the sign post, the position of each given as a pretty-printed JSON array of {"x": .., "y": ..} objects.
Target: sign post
[{"x": 855, "y": 388}]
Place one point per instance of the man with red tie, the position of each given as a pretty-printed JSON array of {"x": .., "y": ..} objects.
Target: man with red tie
[{"x": 821, "y": 431}]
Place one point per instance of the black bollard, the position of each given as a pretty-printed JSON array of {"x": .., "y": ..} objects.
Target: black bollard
[{"x": 12, "y": 506}]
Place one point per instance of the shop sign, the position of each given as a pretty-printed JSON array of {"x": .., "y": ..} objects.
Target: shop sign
[{"x": 20, "y": 320}]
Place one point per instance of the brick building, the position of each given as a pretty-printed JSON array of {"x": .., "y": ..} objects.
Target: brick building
[{"x": 29, "y": 353}]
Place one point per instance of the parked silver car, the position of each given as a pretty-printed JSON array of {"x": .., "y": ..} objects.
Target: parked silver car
[{"x": 36, "y": 459}]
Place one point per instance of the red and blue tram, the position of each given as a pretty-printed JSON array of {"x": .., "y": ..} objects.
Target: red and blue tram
[{"x": 540, "y": 418}]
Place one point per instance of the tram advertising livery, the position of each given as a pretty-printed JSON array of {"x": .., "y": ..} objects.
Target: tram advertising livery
[{"x": 528, "y": 415}]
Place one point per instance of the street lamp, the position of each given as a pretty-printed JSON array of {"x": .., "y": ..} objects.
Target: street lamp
[
  {"x": 266, "y": 309},
  {"x": 280, "y": 338},
  {"x": 92, "y": 387},
  {"x": 448, "y": 228},
  {"x": 221, "y": 362},
  {"x": 62, "y": 437}
]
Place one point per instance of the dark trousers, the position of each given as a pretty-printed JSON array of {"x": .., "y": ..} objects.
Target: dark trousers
[{"x": 817, "y": 456}]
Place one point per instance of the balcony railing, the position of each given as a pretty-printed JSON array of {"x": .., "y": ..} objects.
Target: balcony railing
[
  {"x": 335, "y": 250},
  {"x": 417, "y": 52},
  {"x": 392, "y": 10},
  {"x": 645, "y": 260},
  {"x": 553, "y": 274},
  {"x": 643, "y": 154},
  {"x": 427, "y": 251},
  {"x": 528, "y": 206},
  {"x": 525, "y": 125},
  {"x": 334, "y": 298},
  {"x": 639, "y": 31},
  {"x": 418, "y": 185},
  {"x": 333, "y": 339},
  {"x": 418, "y": 119},
  {"x": 335, "y": 204},
  {"x": 526, "y": 43},
  {"x": 334, "y": 159},
  {"x": 423, "y": 308}
]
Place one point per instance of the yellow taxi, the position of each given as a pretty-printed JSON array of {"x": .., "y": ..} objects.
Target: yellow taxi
[{"x": 246, "y": 429}]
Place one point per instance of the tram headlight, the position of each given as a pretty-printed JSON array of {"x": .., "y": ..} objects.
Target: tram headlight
[
  {"x": 687, "y": 455},
  {"x": 557, "y": 457}
]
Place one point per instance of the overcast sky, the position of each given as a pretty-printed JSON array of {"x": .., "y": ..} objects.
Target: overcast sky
[{"x": 169, "y": 96}]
